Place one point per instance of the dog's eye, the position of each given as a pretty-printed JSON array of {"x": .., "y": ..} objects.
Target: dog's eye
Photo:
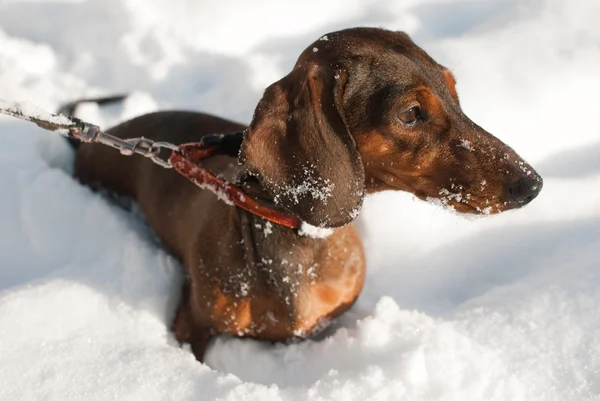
[{"x": 410, "y": 116}]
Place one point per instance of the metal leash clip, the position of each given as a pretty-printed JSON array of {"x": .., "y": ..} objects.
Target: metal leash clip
[{"x": 141, "y": 146}]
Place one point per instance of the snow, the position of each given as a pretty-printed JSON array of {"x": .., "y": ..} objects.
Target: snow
[
  {"x": 501, "y": 307},
  {"x": 309, "y": 183},
  {"x": 311, "y": 231},
  {"x": 467, "y": 145}
]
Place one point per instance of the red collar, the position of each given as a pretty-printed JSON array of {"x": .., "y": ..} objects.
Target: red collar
[{"x": 185, "y": 161}]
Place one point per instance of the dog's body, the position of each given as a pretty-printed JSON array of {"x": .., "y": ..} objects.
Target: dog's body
[
  {"x": 246, "y": 276},
  {"x": 364, "y": 110}
]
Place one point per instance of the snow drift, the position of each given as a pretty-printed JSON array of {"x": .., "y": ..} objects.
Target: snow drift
[{"x": 499, "y": 308}]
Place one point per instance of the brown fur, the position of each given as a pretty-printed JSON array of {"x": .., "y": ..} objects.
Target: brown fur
[{"x": 321, "y": 138}]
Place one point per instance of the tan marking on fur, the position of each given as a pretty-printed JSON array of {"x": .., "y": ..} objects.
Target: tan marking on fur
[
  {"x": 451, "y": 83},
  {"x": 232, "y": 315},
  {"x": 386, "y": 167},
  {"x": 430, "y": 102},
  {"x": 339, "y": 285}
]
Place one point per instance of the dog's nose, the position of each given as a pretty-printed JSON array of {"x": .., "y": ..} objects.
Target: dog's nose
[{"x": 526, "y": 189}]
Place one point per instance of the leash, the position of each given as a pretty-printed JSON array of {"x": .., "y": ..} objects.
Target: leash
[{"x": 184, "y": 158}]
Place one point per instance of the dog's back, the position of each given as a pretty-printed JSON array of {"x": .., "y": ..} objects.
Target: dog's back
[
  {"x": 245, "y": 276},
  {"x": 159, "y": 191}
]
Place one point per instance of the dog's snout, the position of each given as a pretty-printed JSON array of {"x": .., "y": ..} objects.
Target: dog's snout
[{"x": 526, "y": 189}]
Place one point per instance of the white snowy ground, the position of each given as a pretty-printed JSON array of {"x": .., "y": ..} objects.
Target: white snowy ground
[{"x": 500, "y": 308}]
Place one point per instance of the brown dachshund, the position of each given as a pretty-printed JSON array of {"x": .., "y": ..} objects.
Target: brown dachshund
[{"x": 364, "y": 110}]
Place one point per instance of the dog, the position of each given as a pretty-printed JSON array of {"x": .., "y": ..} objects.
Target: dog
[{"x": 363, "y": 110}]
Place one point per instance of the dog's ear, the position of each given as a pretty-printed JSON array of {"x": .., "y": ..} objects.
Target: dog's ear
[{"x": 299, "y": 147}]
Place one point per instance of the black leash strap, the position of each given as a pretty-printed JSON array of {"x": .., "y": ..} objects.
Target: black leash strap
[{"x": 48, "y": 121}]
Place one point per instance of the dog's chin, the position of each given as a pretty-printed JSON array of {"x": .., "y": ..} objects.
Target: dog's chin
[
  {"x": 465, "y": 206},
  {"x": 466, "y": 202},
  {"x": 485, "y": 209},
  {"x": 462, "y": 208}
]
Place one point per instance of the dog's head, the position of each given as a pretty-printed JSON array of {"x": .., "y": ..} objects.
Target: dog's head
[{"x": 366, "y": 110}]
